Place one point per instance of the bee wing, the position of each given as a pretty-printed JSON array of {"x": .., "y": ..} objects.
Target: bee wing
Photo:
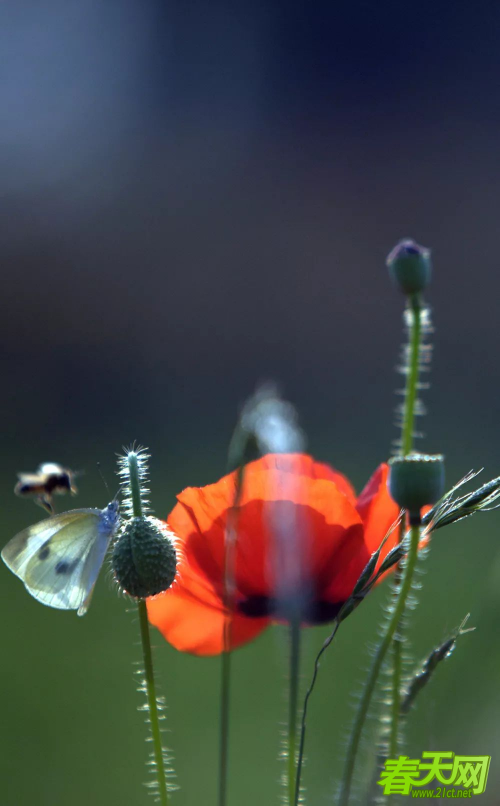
[
  {"x": 30, "y": 478},
  {"x": 51, "y": 468},
  {"x": 59, "y": 559}
]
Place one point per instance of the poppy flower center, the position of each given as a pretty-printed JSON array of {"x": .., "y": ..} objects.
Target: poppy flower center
[{"x": 311, "y": 611}]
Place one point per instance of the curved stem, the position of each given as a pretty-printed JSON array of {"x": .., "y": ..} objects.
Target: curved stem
[
  {"x": 292, "y": 710},
  {"x": 304, "y": 710},
  {"x": 378, "y": 659},
  {"x": 152, "y": 703}
]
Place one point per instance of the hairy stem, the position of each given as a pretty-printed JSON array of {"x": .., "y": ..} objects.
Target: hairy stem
[
  {"x": 382, "y": 649},
  {"x": 397, "y": 669},
  {"x": 134, "y": 484},
  {"x": 407, "y": 434},
  {"x": 149, "y": 677},
  {"x": 411, "y": 389},
  {"x": 152, "y": 703},
  {"x": 397, "y": 664}
]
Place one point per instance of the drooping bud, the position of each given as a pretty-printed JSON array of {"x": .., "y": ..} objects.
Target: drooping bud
[
  {"x": 144, "y": 558},
  {"x": 267, "y": 424},
  {"x": 416, "y": 480},
  {"x": 410, "y": 266}
]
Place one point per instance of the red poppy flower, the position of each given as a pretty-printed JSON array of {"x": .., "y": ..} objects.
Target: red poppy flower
[{"x": 301, "y": 535}]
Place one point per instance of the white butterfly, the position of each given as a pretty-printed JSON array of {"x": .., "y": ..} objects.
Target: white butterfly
[{"x": 59, "y": 558}]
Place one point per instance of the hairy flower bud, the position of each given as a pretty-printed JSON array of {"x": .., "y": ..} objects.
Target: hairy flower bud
[
  {"x": 410, "y": 266},
  {"x": 416, "y": 480},
  {"x": 144, "y": 559}
]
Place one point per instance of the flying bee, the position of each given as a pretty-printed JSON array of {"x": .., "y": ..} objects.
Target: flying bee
[{"x": 49, "y": 479}]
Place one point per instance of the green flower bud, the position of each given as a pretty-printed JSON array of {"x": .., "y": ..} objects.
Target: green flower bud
[
  {"x": 144, "y": 559},
  {"x": 416, "y": 480},
  {"x": 410, "y": 266}
]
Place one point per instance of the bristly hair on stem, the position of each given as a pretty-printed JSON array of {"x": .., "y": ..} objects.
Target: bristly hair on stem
[
  {"x": 415, "y": 360},
  {"x": 377, "y": 662},
  {"x": 133, "y": 473}
]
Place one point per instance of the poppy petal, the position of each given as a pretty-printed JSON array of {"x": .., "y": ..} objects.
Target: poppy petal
[
  {"x": 304, "y": 465},
  {"x": 191, "y": 625},
  {"x": 378, "y": 512},
  {"x": 298, "y": 533},
  {"x": 298, "y": 482}
]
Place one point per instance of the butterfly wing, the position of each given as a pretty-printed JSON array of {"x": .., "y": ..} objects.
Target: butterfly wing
[
  {"x": 23, "y": 547},
  {"x": 59, "y": 558},
  {"x": 94, "y": 561}
]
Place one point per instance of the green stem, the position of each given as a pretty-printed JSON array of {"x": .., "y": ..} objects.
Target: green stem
[
  {"x": 383, "y": 647},
  {"x": 411, "y": 389},
  {"x": 224, "y": 725},
  {"x": 407, "y": 435},
  {"x": 397, "y": 669},
  {"x": 225, "y": 689},
  {"x": 134, "y": 483},
  {"x": 149, "y": 677},
  {"x": 152, "y": 703},
  {"x": 292, "y": 712},
  {"x": 397, "y": 663}
]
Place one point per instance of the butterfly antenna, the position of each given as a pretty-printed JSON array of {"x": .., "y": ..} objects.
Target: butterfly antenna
[{"x": 104, "y": 480}]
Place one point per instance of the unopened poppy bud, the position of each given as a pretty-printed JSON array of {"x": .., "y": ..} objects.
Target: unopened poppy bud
[
  {"x": 410, "y": 266},
  {"x": 416, "y": 480},
  {"x": 144, "y": 558}
]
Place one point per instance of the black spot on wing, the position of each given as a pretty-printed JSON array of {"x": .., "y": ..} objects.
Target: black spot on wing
[
  {"x": 44, "y": 552},
  {"x": 65, "y": 567}
]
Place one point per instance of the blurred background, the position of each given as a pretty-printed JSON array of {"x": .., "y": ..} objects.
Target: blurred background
[{"x": 196, "y": 197}]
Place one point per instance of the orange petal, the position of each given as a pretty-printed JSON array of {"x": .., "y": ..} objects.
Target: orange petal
[
  {"x": 191, "y": 625},
  {"x": 307, "y": 507},
  {"x": 297, "y": 528},
  {"x": 200, "y": 519},
  {"x": 191, "y": 614},
  {"x": 304, "y": 465},
  {"x": 378, "y": 512}
]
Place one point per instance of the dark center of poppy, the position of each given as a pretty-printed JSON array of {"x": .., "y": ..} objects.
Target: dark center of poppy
[{"x": 311, "y": 611}]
